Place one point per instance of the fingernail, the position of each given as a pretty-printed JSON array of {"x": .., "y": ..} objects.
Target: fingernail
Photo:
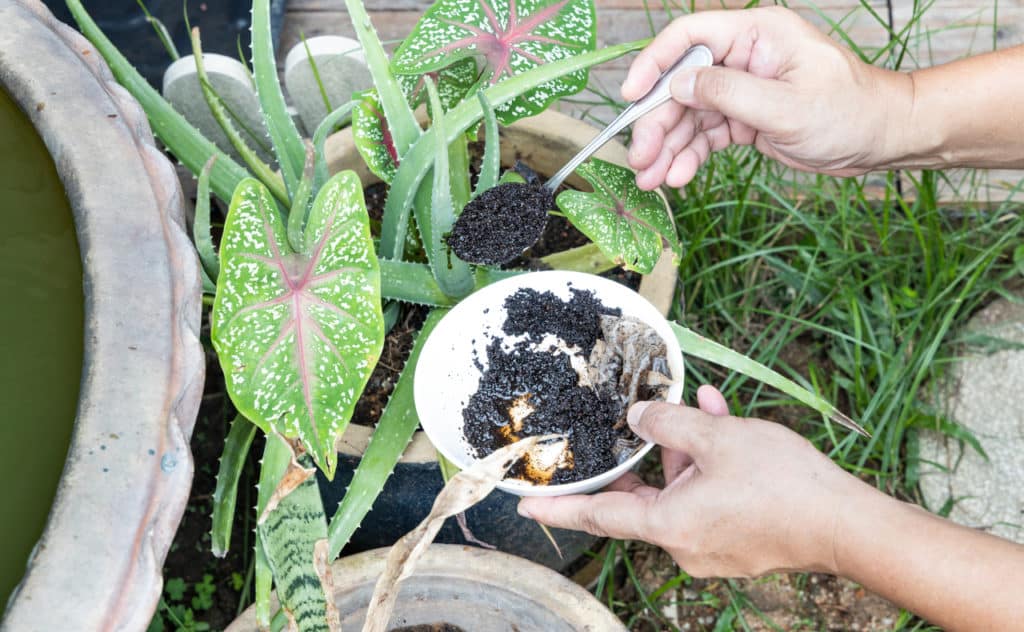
[
  {"x": 683, "y": 85},
  {"x": 522, "y": 510},
  {"x": 636, "y": 411}
]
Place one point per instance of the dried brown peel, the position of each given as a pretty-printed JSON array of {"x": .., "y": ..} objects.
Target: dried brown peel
[{"x": 464, "y": 490}]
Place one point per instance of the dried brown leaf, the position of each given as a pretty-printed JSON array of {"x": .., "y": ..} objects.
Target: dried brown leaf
[
  {"x": 322, "y": 566},
  {"x": 464, "y": 490},
  {"x": 294, "y": 476}
]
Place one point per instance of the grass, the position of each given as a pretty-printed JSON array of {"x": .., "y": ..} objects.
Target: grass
[{"x": 855, "y": 287}]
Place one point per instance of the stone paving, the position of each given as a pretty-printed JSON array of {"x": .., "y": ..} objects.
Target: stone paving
[{"x": 986, "y": 395}]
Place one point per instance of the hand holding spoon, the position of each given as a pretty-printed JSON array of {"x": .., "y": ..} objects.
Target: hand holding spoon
[{"x": 484, "y": 233}]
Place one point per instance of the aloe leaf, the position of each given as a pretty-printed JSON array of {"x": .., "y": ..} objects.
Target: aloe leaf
[
  {"x": 298, "y": 334},
  {"x": 225, "y": 494},
  {"x": 287, "y": 141},
  {"x": 411, "y": 283},
  {"x": 510, "y": 37},
  {"x": 300, "y": 203},
  {"x": 276, "y": 456},
  {"x": 291, "y": 533},
  {"x": 400, "y": 117},
  {"x": 453, "y": 83},
  {"x": 490, "y": 167},
  {"x": 418, "y": 160},
  {"x": 372, "y": 137},
  {"x": 256, "y": 166},
  {"x": 435, "y": 220},
  {"x": 201, "y": 235},
  {"x": 185, "y": 142},
  {"x": 585, "y": 258},
  {"x": 397, "y": 424},
  {"x": 698, "y": 346},
  {"x": 458, "y": 167},
  {"x": 327, "y": 126},
  {"x": 630, "y": 226}
]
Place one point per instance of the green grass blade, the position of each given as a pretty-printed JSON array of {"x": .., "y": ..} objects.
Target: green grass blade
[
  {"x": 435, "y": 220},
  {"x": 257, "y": 167},
  {"x": 185, "y": 142},
  {"x": 397, "y": 424},
  {"x": 419, "y": 159},
  {"x": 698, "y": 346},
  {"x": 201, "y": 235},
  {"x": 161, "y": 32},
  {"x": 288, "y": 144},
  {"x": 400, "y": 118},
  {"x": 316, "y": 74},
  {"x": 490, "y": 167},
  {"x": 225, "y": 494}
]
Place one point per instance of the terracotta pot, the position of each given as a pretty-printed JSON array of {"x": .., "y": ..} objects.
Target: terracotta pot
[
  {"x": 128, "y": 470},
  {"x": 545, "y": 142},
  {"x": 474, "y": 589}
]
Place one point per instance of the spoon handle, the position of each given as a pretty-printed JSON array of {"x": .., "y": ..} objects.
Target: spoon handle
[{"x": 695, "y": 56}]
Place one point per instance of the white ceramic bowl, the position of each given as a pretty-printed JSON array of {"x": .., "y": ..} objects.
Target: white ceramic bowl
[{"x": 446, "y": 376}]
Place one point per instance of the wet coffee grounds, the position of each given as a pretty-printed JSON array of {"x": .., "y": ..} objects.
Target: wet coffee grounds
[
  {"x": 528, "y": 391},
  {"x": 577, "y": 322},
  {"x": 500, "y": 223}
]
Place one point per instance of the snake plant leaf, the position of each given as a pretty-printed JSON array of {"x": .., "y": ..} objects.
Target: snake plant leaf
[
  {"x": 453, "y": 83},
  {"x": 372, "y": 137},
  {"x": 299, "y": 333},
  {"x": 510, "y": 38},
  {"x": 630, "y": 226},
  {"x": 294, "y": 536}
]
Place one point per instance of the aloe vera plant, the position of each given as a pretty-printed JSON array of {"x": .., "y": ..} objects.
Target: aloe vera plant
[{"x": 302, "y": 289}]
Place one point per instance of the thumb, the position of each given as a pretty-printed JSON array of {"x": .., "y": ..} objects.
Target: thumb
[
  {"x": 760, "y": 103},
  {"x": 620, "y": 515},
  {"x": 672, "y": 426}
]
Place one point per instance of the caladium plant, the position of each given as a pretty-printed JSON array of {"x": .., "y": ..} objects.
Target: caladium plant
[
  {"x": 630, "y": 226},
  {"x": 508, "y": 38},
  {"x": 298, "y": 315}
]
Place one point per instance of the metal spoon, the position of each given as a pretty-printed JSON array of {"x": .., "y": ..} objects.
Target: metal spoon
[{"x": 695, "y": 56}]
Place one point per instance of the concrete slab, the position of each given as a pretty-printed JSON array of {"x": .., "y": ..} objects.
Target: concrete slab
[{"x": 986, "y": 395}]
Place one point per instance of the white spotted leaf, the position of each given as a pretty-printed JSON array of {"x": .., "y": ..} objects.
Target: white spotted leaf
[
  {"x": 372, "y": 137},
  {"x": 509, "y": 39},
  {"x": 453, "y": 83},
  {"x": 298, "y": 333},
  {"x": 630, "y": 226}
]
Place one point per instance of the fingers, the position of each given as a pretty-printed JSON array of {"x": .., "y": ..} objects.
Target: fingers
[
  {"x": 673, "y": 462},
  {"x": 711, "y": 401},
  {"x": 630, "y": 482},
  {"x": 609, "y": 514},
  {"x": 649, "y": 134},
  {"x": 676, "y": 427},
  {"x": 763, "y": 104},
  {"x": 731, "y": 36}
]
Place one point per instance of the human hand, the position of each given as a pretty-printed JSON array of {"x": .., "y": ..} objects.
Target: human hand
[
  {"x": 782, "y": 86},
  {"x": 743, "y": 497}
]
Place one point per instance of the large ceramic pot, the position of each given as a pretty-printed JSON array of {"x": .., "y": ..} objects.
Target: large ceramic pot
[
  {"x": 473, "y": 589},
  {"x": 125, "y": 483},
  {"x": 545, "y": 142}
]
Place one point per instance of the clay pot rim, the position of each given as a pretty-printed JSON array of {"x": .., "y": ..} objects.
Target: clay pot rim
[
  {"x": 657, "y": 287},
  {"x": 543, "y": 586},
  {"x": 128, "y": 472}
]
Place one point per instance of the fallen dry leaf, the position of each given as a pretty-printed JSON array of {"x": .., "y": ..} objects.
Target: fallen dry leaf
[{"x": 464, "y": 490}]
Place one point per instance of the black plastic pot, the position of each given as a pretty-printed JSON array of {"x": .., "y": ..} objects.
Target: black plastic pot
[
  {"x": 223, "y": 23},
  {"x": 410, "y": 492}
]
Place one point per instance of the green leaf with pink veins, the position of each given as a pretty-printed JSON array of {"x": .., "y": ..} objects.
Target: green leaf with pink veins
[
  {"x": 509, "y": 38},
  {"x": 630, "y": 226},
  {"x": 298, "y": 333},
  {"x": 453, "y": 83},
  {"x": 372, "y": 136}
]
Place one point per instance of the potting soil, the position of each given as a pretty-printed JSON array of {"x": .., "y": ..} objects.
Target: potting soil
[
  {"x": 500, "y": 223},
  {"x": 532, "y": 387}
]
